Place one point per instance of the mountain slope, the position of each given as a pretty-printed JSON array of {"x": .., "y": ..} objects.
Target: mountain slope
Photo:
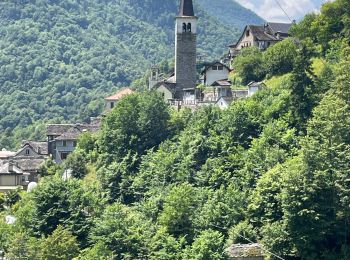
[
  {"x": 59, "y": 58},
  {"x": 231, "y": 13}
]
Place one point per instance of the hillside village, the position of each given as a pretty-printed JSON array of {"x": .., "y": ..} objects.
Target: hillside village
[
  {"x": 185, "y": 88},
  {"x": 243, "y": 156}
]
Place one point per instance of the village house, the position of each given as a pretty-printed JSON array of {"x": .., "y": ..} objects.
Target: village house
[
  {"x": 111, "y": 101},
  {"x": 12, "y": 177},
  {"x": 261, "y": 36},
  {"x": 213, "y": 72},
  {"x": 62, "y": 138},
  {"x": 4, "y": 155},
  {"x": 254, "y": 87},
  {"x": 20, "y": 168}
]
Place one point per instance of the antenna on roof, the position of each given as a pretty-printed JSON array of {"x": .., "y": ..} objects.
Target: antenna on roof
[{"x": 280, "y": 6}]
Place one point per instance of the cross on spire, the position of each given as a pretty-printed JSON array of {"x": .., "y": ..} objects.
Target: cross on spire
[{"x": 186, "y": 8}]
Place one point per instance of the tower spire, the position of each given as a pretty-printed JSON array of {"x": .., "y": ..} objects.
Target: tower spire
[{"x": 186, "y": 8}]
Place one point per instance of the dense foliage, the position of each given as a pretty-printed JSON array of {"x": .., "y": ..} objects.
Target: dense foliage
[
  {"x": 58, "y": 59},
  {"x": 161, "y": 184}
]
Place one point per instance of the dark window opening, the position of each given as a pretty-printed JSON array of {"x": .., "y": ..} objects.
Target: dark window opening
[
  {"x": 189, "y": 27},
  {"x": 247, "y": 33},
  {"x": 27, "y": 151},
  {"x": 64, "y": 156},
  {"x": 64, "y": 143},
  {"x": 112, "y": 105},
  {"x": 215, "y": 68},
  {"x": 184, "y": 27},
  {"x": 220, "y": 67}
]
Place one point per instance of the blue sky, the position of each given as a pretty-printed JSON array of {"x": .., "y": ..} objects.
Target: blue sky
[{"x": 269, "y": 10}]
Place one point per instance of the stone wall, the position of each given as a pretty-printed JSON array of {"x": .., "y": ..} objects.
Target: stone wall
[{"x": 185, "y": 60}]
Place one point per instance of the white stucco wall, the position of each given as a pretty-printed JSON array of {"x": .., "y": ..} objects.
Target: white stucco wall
[
  {"x": 110, "y": 104},
  {"x": 214, "y": 75},
  {"x": 188, "y": 19},
  {"x": 8, "y": 180},
  {"x": 165, "y": 92},
  {"x": 252, "y": 91}
]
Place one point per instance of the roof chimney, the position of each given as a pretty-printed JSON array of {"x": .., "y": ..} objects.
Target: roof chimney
[
  {"x": 186, "y": 8},
  {"x": 10, "y": 167}
]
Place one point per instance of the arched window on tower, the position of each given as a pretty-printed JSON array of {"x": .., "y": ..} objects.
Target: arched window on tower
[
  {"x": 184, "y": 27},
  {"x": 189, "y": 27}
]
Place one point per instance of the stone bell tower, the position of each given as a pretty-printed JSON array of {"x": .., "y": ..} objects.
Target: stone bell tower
[{"x": 185, "y": 48}]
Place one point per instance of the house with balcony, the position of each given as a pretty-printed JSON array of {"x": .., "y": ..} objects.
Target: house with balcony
[{"x": 62, "y": 138}]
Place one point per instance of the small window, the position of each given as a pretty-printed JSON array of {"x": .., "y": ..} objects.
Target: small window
[
  {"x": 64, "y": 143},
  {"x": 27, "y": 152},
  {"x": 64, "y": 156},
  {"x": 220, "y": 67},
  {"x": 247, "y": 33},
  {"x": 112, "y": 105},
  {"x": 215, "y": 68},
  {"x": 189, "y": 27},
  {"x": 184, "y": 27}
]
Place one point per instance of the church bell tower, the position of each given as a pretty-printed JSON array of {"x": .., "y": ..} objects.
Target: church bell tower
[{"x": 185, "y": 48}]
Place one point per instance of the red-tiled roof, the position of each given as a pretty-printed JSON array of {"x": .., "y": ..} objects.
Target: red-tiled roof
[{"x": 117, "y": 96}]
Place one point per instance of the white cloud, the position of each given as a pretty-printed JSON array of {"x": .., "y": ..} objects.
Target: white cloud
[{"x": 269, "y": 9}]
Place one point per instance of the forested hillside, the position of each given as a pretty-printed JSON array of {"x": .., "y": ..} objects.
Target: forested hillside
[
  {"x": 58, "y": 59},
  {"x": 231, "y": 13},
  {"x": 161, "y": 184}
]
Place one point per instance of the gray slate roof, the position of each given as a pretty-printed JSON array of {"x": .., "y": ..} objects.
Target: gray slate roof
[
  {"x": 222, "y": 83},
  {"x": 256, "y": 84},
  {"x": 39, "y": 147},
  {"x": 58, "y": 129},
  {"x": 280, "y": 27},
  {"x": 186, "y": 8},
  {"x": 5, "y": 169},
  {"x": 261, "y": 34},
  {"x": 28, "y": 164},
  {"x": 72, "y": 134},
  {"x": 70, "y": 131}
]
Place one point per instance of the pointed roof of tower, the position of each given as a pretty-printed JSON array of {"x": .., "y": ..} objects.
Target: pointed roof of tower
[{"x": 186, "y": 8}]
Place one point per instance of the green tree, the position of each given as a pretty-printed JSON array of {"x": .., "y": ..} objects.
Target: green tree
[
  {"x": 279, "y": 59},
  {"x": 61, "y": 245},
  {"x": 2, "y": 201},
  {"x": 12, "y": 197},
  {"x": 249, "y": 65},
  {"x": 99, "y": 251},
  {"x": 57, "y": 202},
  {"x": 77, "y": 163},
  {"x": 124, "y": 231},
  {"x": 208, "y": 245},
  {"x": 301, "y": 86},
  {"x": 179, "y": 210}
]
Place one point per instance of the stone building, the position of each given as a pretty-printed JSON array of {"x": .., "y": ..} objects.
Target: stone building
[
  {"x": 182, "y": 86},
  {"x": 19, "y": 169},
  {"x": 62, "y": 138},
  {"x": 261, "y": 36},
  {"x": 111, "y": 101}
]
